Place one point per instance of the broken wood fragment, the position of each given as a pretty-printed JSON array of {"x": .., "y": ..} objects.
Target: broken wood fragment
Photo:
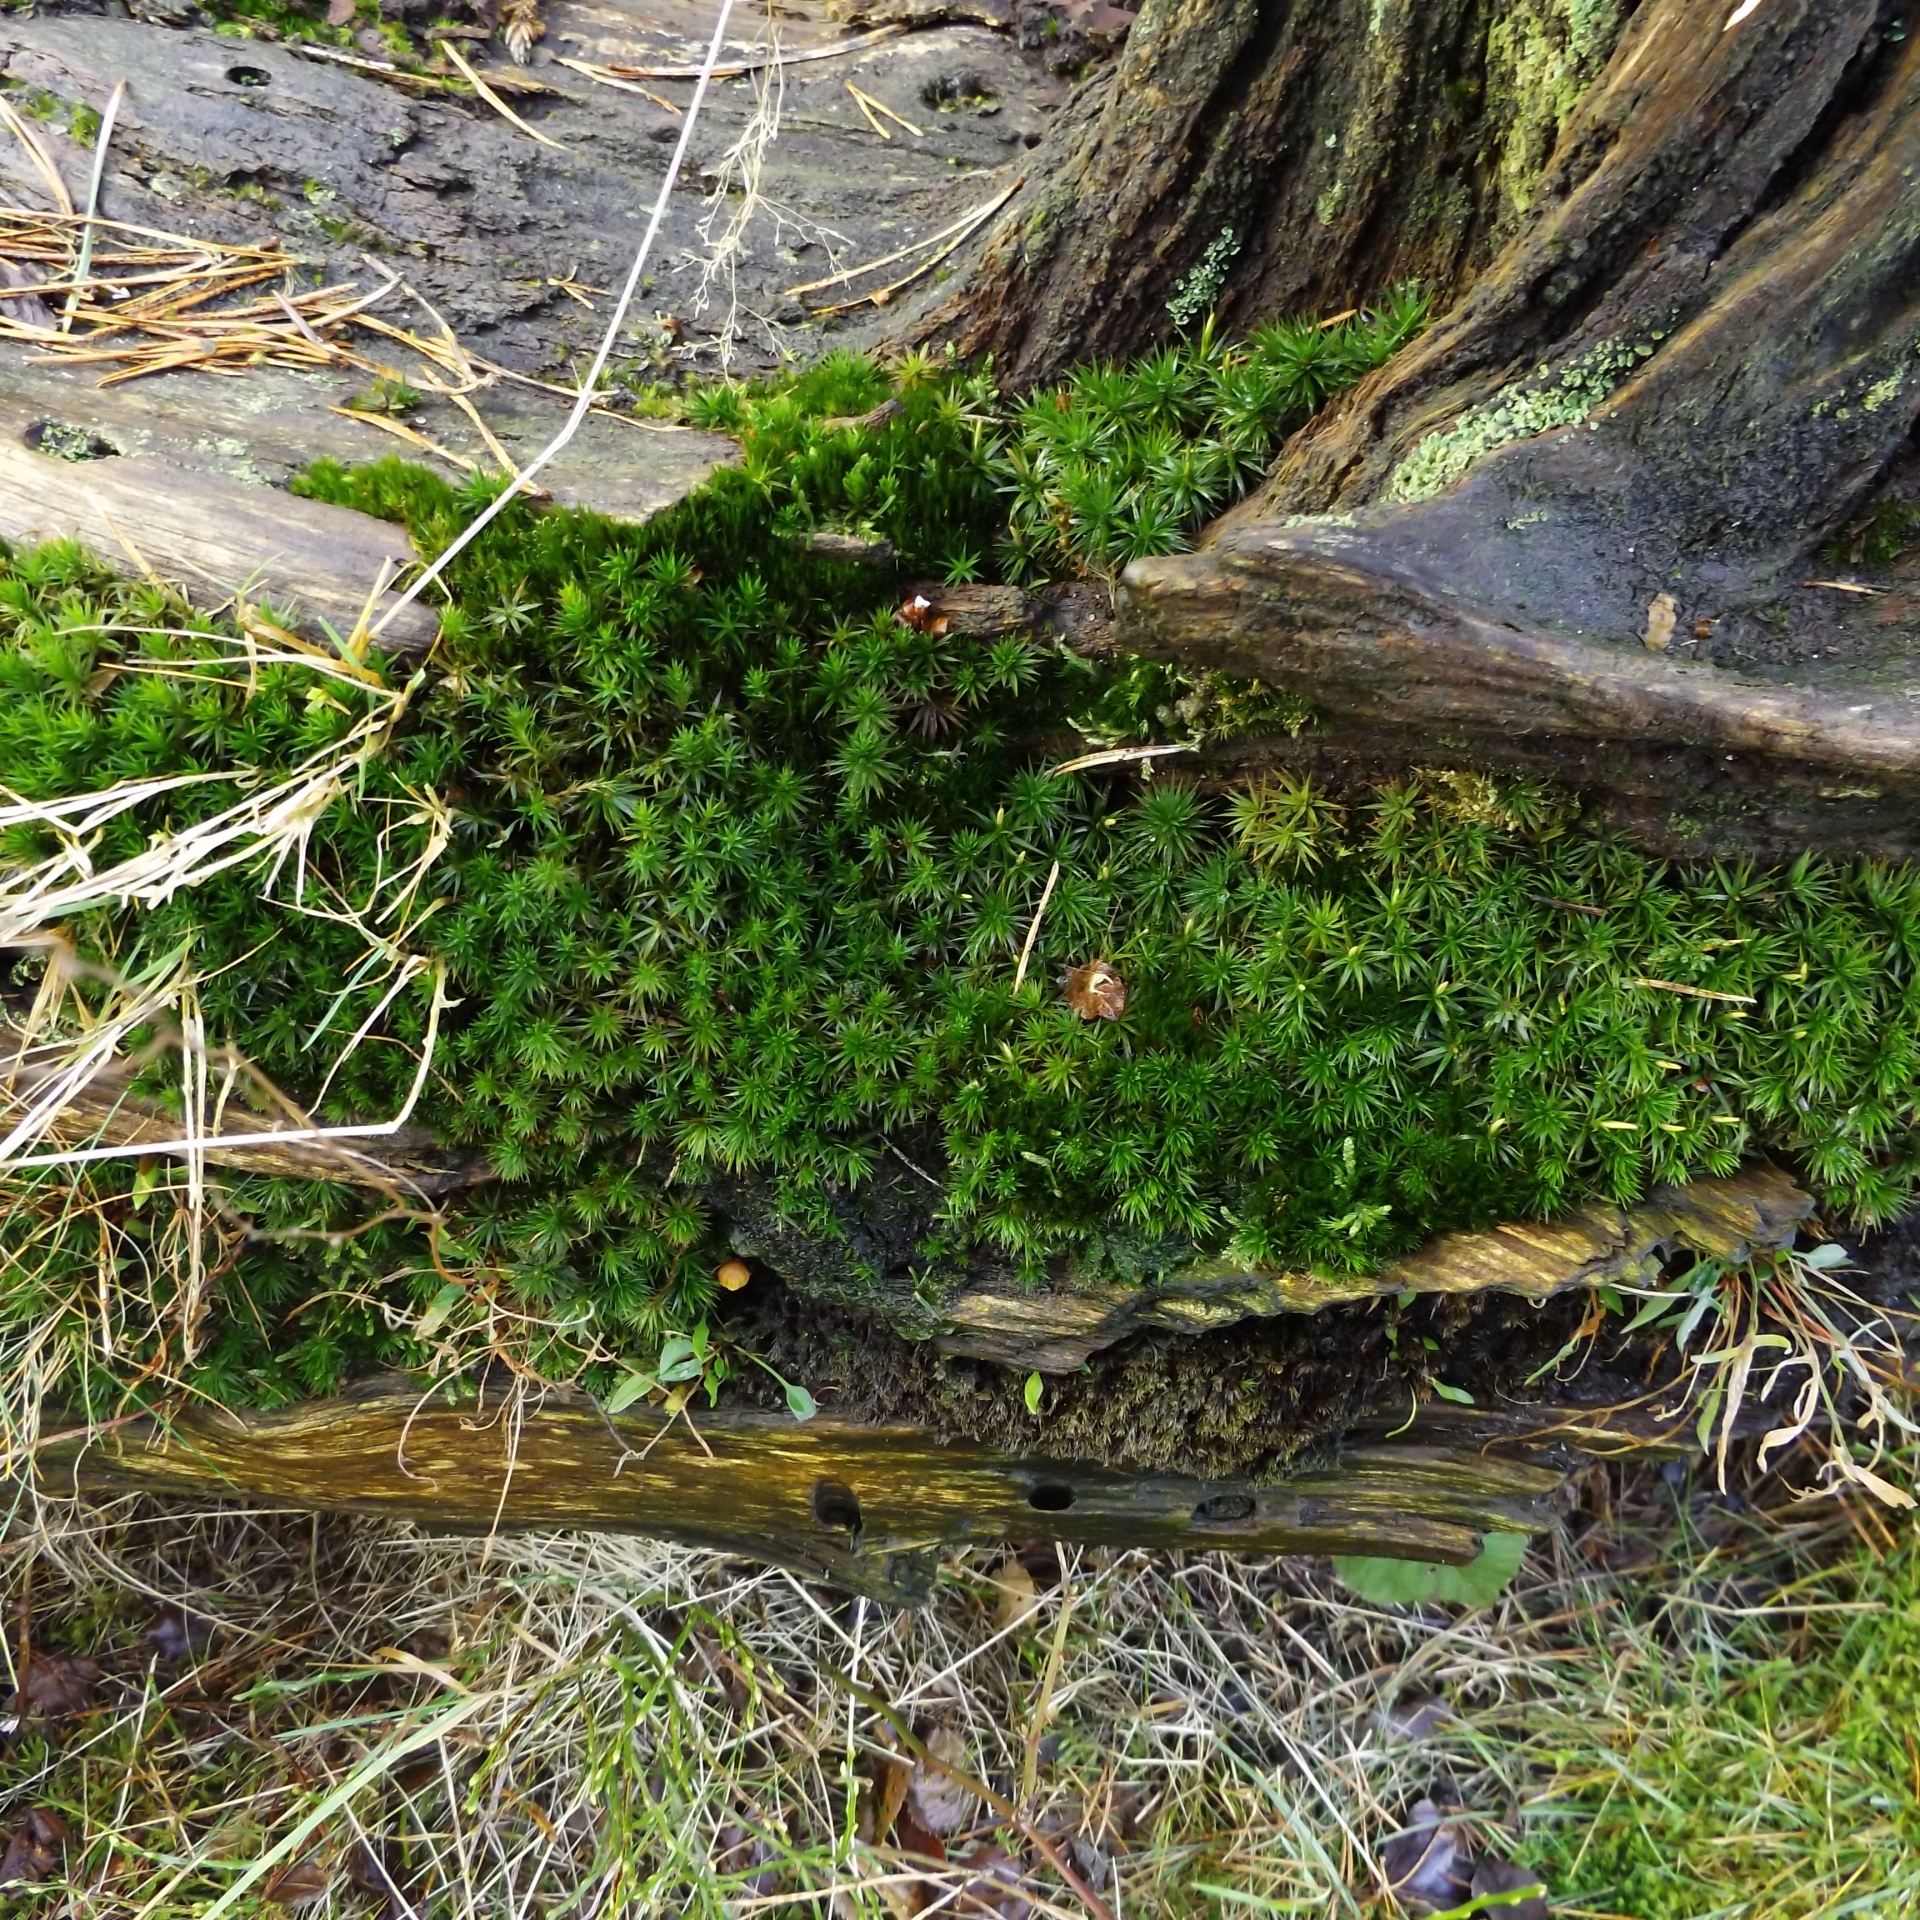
[
  {"x": 214, "y": 539},
  {"x": 866, "y": 1508},
  {"x": 1598, "y": 1244}
]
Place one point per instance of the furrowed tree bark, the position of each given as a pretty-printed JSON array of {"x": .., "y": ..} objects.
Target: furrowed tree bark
[{"x": 1343, "y": 145}]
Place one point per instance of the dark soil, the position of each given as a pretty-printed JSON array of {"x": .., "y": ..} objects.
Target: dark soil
[{"x": 1250, "y": 1399}]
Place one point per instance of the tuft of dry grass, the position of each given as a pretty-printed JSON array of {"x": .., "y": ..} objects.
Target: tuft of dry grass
[{"x": 1683, "y": 1708}]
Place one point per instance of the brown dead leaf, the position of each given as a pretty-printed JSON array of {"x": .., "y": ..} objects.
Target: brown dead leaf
[
  {"x": 59, "y": 1685},
  {"x": 299, "y": 1883},
  {"x": 1096, "y": 991},
  {"x": 916, "y": 611},
  {"x": 889, "y": 1794},
  {"x": 33, "y": 1850},
  {"x": 938, "y": 1801},
  {"x": 378, "y": 1873},
  {"x": 1496, "y": 1874},
  {"x": 1014, "y": 1595},
  {"x": 994, "y": 1888},
  {"x": 748, "y": 1854},
  {"x": 1427, "y": 1864},
  {"x": 1661, "y": 615},
  {"x": 340, "y": 12}
]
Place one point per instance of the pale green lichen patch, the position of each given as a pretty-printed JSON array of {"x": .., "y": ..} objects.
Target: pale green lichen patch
[{"x": 1520, "y": 412}]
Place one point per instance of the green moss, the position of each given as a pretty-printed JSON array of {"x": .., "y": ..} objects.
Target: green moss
[{"x": 744, "y": 860}]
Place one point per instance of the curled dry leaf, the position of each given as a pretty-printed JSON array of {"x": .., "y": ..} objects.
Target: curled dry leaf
[
  {"x": 299, "y": 1883},
  {"x": 994, "y": 1885},
  {"x": 33, "y": 1849},
  {"x": 173, "y": 1635},
  {"x": 59, "y": 1685},
  {"x": 1014, "y": 1595},
  {"x": 1096, "y": 991},
  {"x": 1428, "y": 1864},
  {"x": 937, "y": 1801},
  {"x": 1496, "y": 1875}
]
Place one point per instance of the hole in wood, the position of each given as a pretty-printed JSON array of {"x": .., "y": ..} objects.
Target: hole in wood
[
  {"x": 64, "y": 441},
  {"x": 1051, "y": 1497},
  {"x": 836, "y": 1505},
  {"x": 1223, "y": 1509},
  {"x": 249, "y": 76}
]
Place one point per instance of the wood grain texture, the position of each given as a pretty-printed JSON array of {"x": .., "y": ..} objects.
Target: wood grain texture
[
  {"x": 1593, "y": 1245},
  {"x": 212, "y": 537},
  {"x": 867, "y": 1509}
]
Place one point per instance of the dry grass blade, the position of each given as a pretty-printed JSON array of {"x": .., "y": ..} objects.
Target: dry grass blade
[
  {"x": 81, "y": 265},
  {"x": 493, "y": 100},
  {"x": 732, "y": 70}
]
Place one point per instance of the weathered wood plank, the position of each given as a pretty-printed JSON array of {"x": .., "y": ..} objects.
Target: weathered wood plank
[
  {"x": 865, "y": 1508},
  {"x": 212, "y": 537}
]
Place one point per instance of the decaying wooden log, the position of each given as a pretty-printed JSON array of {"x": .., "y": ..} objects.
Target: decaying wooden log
[
  {"x": 184, "y": 480},
  {"x": 212, "y": 537},
  {"x": 864, "y": 1508},
  {"x": 1583, "y": 512},
  {"x": 1594, "y": 1245},
  {"x": 1055, "y": 1331}
]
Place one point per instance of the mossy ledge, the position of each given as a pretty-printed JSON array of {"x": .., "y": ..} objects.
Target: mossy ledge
[{"x": 743, "y": 859}]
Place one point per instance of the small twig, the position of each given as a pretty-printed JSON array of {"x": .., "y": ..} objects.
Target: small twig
[
  {"x": 603, "y": 76},
  {"x": 1696, "y": 993},
  {"x": 1843, "y": 586},
  {"x": 83, "y": 261},
  {"x": 493, "y": 100},
  {"x": 1112, "y": 757},
  {"x": 881, "y": 295},
  {"x": 1033, "y": 930},
  {"x": 1571, "y": 906}
]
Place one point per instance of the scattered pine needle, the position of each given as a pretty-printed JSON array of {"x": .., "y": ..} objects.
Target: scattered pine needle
[
  {"x": 1696, "y": 993},
  {"x": 760, "y": 62},
  {"x": 880, "y": 296},
  {"x": 873, "y": 119},
  {"x": 411, "y": 435},
  {"x": 1112, "y": 757},
  {"x": 870, "y": 106}
]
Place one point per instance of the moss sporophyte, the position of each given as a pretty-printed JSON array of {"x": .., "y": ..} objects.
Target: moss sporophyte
[{"x": 733, "y": 867}]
